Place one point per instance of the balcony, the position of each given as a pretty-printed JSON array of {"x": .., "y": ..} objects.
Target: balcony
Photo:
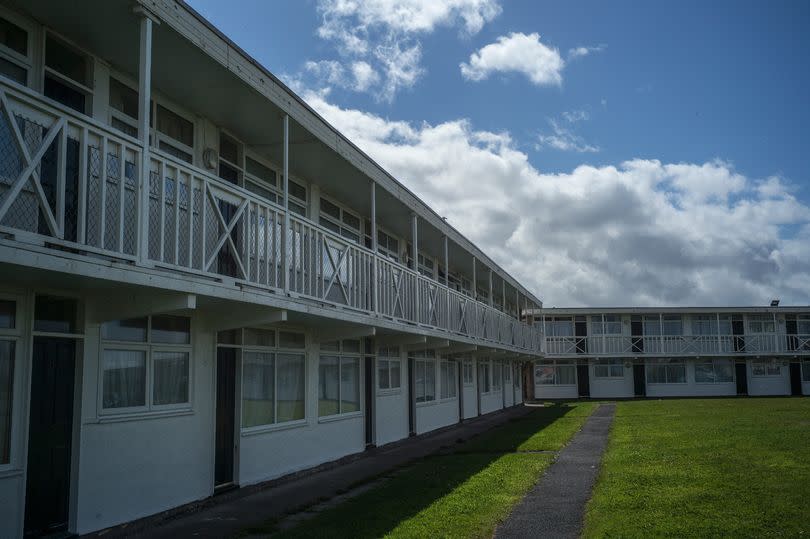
[
  {"x": 677, "y": 345},
  {"x": 68, "y": 182}
]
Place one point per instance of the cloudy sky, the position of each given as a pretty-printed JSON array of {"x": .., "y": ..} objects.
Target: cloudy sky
[{"x": 604, "y": 153}]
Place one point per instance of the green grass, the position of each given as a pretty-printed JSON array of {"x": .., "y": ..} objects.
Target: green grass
[
  {"x": 462, "y": 494},
  {"x": 705, "y": 468}
]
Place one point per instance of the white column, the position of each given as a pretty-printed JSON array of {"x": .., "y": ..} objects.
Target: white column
[
  {"x": 285, "y": 229},
  {"x": 144, "y": 101},
  {"x": 415, "y": 262},
  {"x": 491, "y": 298},
  {"x": 474, "y": 280},
  {"x": 374, "y": 270}
]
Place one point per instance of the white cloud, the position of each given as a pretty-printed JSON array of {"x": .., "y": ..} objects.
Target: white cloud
[
  {"x": 579, "y": 52},
  {"x": 383, "y": 36},
  {"x": 642, "y": 232},
  {"x": 563, "y": 138},
  {"x": 572, "y": 116},
  {"x": 517, "y": 52}
]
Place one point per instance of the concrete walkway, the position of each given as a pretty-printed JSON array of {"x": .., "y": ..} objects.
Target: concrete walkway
[
  {"x": 228, "y": 514},
  {"x": 555, "y": 507}
]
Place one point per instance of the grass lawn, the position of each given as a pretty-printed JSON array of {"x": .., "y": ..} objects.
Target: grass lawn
[
  {"x": 705, "y": 468},
  {"x": 462, "y": 494}
]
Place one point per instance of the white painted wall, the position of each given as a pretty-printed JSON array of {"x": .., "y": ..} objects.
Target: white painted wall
[
  {"x": 437, "y": 414},
  {"x": 769, "y": 385},
  {"x": 471, "y": 394},
  {"x": 491, "y": 401},
  {"x": 691, "y": 388},
  {"x": 508, "y": 387},
  {"x": 544, "y": 391}
]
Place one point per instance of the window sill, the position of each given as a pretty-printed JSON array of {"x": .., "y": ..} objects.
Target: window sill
[
  {"x": 264, "y": 429},
  {"x": 137, "y": 416},
  {"x": 426, "y": 403},
  {"x": 714, "y": 383},
  {"x": 339, "y": 417},
  {"x": 10, "y": 472},
  {"x": 448, "y": 399},
  {"x": 388, "y": 392}
]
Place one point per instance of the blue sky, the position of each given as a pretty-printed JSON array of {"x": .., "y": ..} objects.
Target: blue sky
[{"x": 698, "y": 109}]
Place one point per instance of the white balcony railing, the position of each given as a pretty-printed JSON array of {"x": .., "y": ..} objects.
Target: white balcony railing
[
  {"x": 680, "y": 345},
  {"x": 70, "y": 181}
]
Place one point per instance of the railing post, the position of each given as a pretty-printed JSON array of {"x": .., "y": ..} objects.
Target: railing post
[
  {"x": 447, "y": 283},
  {"x": 285, "y": 229},
  {"x": 374, "y": 269},
  {"x": 144, "y": 102},
  {"x": 415, "y": 263}
]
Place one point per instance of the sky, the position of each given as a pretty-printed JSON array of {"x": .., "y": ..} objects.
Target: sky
[{"x": 617, "y": 153}]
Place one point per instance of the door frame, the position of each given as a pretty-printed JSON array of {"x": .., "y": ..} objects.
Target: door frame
[{"x": 237, "y": 419}]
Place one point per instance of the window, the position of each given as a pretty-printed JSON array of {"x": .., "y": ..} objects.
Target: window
[
  {"x": 555, "y": 372},
  {"x": 448, "y": 379},
  {"x": 803, "y": 324},
  {"x": 424, "y": 375},
  {"x": 609, "y": 324},
  {"x": 484, "y": 379},
  {"x": 387, "y": 245},
  {"x": 55, "y": 315},
  {"x": 339, "y": 220},
  {"x": 806, "y": 370},
  {"x": 174, "y": 134},
  {"x": 666, "y": 371},
  {"x": 714, "y": 371},
  {"x": 507, "y": 373},
  {"x": 389, "y": 368},
  {"x": 704, "y": 325},
  {"x": 497, "y": 374},
  {"x": 261, "y": 180},
  {"x": 766, "y": 368},
  {"x": 68, "y": 74},
  {"x": 468, "y": 376},
  {"x": 298, "y": 198},
  {"x": 672, "y": 324},
  {"x": 8, "y": 347},
  {"x": 652, "y": 324},
  {"x": 760, "y": 324},
  {"x": 146, "y": 363},
  {"x": 15, "y": 61},
  {"x": 608, "y": 368},
  {"x": 273, "y": 387},
  {"x": 559, "y": 326},
  {"x": 339, "y": 378},
  {"x": 123, "y": 107},
  {"x": 230, "y": 159}
]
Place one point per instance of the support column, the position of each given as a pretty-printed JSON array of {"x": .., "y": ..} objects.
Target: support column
[
  {"x": 447, "y": 281},
  {"x": 491, "y": 298},
  {"x": 503, "y": 295},
  {"x": 286, "y": 226},
  {"x": 474, "y": 280},
  {"x": 415, "y": 262},
  {"x": 144, "y": 101},
  {"x": 374, "y": 269}
]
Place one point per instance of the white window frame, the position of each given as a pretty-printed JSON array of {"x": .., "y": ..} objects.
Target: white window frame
[
  {"x": 113, "y": 113},
  {"x": 806, "y": 370},
  {"x": 468, "y": 372},
  {"x": 24, "y": 62},
  {"x": 555, "y": 325},
  {"x": 384, "y": 250},
  {"x": 15, "y": 335},
  {"x": 667, "y": 363},
  {"x": 756, "y": 324},
  {"x": 150, "y": 348},
  {"x": 767, "y": 365},
  {"x": 158, "y": 136},
  {"x": 486, "y": 365},
  {"x": 714, "y": 362},
  {"x": 64, "y": 79},
  {"x": 448, "y": 365},
  {"x": 610, "y": 364},
  {"x": 389, "y": 356},
  {"x": 497, "y": 382},
  {"x": 340, "y": 223},
  {"x": 341, "y": 354},
  {"x": 556, "y": 364}
]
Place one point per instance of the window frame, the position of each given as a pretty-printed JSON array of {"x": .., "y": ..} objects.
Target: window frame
[
  {"x": 25, "y": 62},
  {"x": 767, "y": 364},
  {"x": 384, "y": 250},
  {"x": 150, "y": 348},
  {"x": 46, "y": 71},
  {"x": 15, "y": 335},
  {"x": 468, "y": 367},
  {"x": 714, "y": 361},
  {"x": 667, "y": 362},
  {"x": 340, "y": 223},
  {"x": 388, "y": 358},
  {"x": 158, "y": 136},
  {"x": 762, "y": 321},
  {"x": 445, "y": 365},
  {"x": 342, "y": 354},
  {"x": 805, "y": 370},
  {"x": 485, "y": 383},
  {"x": 611, "y": 364},
  {"x": 114, "y": 113},
  {"x": 556, "y": 364}
]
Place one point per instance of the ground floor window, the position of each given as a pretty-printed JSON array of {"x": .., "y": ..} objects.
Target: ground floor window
[
  {"x": 7, "y": 349},
  {"x": 766, "y": 368},
  {"x": 714, "y": 371},
  {"x": 555, "y": 372},
  {"x": 389, "y": 368},
  {"x": 484, "y": 379},
  {"x": 273, "y": 387},
  {"x": 666, "y": 371},
  {"x": 467, "y": 373},
  {"x": 608, "y": 368},
  {"x": 448, "y": 379},
  {"x": 425, "y": 380},
  {"x": 146, "y": 363},
  {"x": 806, "y": 370},
  {"x": 339, "y": 378},
  {"x": 497, "y": 375}
]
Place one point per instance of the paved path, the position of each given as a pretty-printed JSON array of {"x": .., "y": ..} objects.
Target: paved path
[
  {"x": 555, "y": 506},
  {"x": 226, "y": 515}
]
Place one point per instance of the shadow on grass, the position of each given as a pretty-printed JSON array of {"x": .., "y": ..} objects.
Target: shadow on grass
[{"x": 462, "y": 493}]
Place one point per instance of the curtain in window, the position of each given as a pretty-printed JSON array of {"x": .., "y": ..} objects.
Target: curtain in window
[
  {"x": 124, "y": 378},
  {"x": 171, "y": 378},
  {"x": 349, "y": 385},
  {"x": 258, "y": 389},
  {"x": 566, "y": 375},
  {"x": 290, "y": 387},
  {"x": 329, "y": 386},
  {"x": 6, "y": 397}
]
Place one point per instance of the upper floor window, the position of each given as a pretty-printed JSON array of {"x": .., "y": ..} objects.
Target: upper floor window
[
  {"x": 704, "y": 325},
  {"x": 803, "y": 324},
  {"x": 230, "y": 159},
  {"x": 388, "y": 245},
  {"x": 123, "y": 107},
  {"x": 609, "y": 324},
  {"x": 339, "y": 220},
  {"x": 68, "y": 74},
  {"x": 174, "y": 133},
  {"x": 672, "y": 324},
  {"x": 652, "y": 324},
  {"x": 15, "y": 57},
  {"x": 761, "y": 324},
  {"x": 559, "y": 326}
]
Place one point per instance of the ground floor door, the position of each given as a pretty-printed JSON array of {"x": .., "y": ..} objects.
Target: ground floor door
[
  {"x": 225, "y": 417},
  {"x": 411, "y": 397},
  {"x": 369, "y": 398},
  {"x": 796, "y": 378},
  {"x": 583, "y": 381},
  {"x": 741, "y": 373},
  {"x": 639, "y": 383},
  {"x": 50, "y": 435}
]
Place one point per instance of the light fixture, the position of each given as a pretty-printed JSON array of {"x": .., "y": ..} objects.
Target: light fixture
[{"x": 775, "y": 302}]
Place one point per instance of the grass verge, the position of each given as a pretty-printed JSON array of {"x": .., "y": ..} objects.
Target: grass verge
[{"x": 705, "y": 468}]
